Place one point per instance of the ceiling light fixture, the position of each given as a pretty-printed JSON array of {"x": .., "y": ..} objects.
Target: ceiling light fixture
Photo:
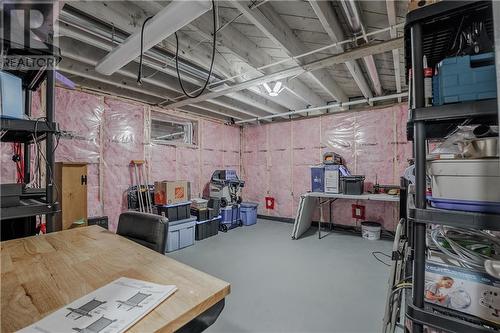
[
  {"x": 167, "y": 21},
  {"x": 277, "y": 88}
]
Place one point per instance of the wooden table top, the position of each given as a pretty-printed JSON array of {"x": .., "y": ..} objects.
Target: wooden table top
[{"x": 41, "y": 274}]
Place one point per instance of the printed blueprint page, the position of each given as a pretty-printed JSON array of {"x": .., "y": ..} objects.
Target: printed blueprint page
[{"x": 110, "y": 309}]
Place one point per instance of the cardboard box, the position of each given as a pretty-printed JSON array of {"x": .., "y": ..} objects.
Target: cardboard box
[
  {"x": 465, "y": 290},
  {"x": 332, "y": 179},
  {"x": 170, "y": 192},
  {"x": 415, "y": 4}
]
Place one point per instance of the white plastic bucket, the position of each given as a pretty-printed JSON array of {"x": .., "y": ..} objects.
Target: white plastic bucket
[{"x": 371, "y": 230}]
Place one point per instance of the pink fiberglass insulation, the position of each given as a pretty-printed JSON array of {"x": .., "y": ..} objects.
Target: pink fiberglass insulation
[
  {"x": 107, "y": 133},
  {"x": 123, "y": 140},
  {"x": 8, "y": 167},
  {"x": 373, "y": 143},
  {"x": 79, "y": 116}
]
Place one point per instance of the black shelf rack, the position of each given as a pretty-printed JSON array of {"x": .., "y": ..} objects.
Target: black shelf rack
[
  {"x": 443, "y": 119},
  {"x": 38, "y": 201},
  {"x": 431, "y": 31},
  {"x": 25, "y": 131}
]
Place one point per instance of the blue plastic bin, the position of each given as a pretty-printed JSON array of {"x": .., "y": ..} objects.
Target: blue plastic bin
[
  {"x": 466, "y": 78},
  {"x": 181, "y": 233},
  {"x": 248, "y": 213}
]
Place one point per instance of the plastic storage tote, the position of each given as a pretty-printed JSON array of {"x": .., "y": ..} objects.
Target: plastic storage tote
[
  {"x": 352, "y": 184},
  {"x": 230, "y": 217},
  {"x": 466, "y": 78},
  {"x": 181, "y": 234},
  {"x": 248, "y": 213},
  {"x": 175, "y": 212},
  {"x": 461, "y": 183},
  {"x": 201, "y": 214},
  {"x": 209, "y": 228}
]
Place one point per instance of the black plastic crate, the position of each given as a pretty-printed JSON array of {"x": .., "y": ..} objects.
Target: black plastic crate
[
  {"x": 212, "y": 213},
  {"x": 201, "y": 214},
  {"x": 207, "y": 228},
  {"x": 352, "y": 184},
  {"x": 214, "y": 203},
  {"x": 175, "y": 212}
]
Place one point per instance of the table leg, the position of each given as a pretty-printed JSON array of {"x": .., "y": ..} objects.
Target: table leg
[
  {"x": 204, "y": 320},
  {"x": 320, "y": 218}
]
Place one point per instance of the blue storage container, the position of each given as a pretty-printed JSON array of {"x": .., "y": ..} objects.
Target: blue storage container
[
  {"x": 466, "y": 78},
  {"x": 248, "y": 213},
  {"x": 11, "y": 95},
  {"x": 318, "y": 178},
  {"x": 181, "y": 233},
  {"x": 230, "y": 217}
]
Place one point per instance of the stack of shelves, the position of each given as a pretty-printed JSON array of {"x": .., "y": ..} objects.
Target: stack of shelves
[
  {"x": 430, "y": 31},
  {"x": 27, "y": 132}
]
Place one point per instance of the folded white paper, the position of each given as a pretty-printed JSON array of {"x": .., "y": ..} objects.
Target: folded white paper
[{"x": 110, "y": 309}]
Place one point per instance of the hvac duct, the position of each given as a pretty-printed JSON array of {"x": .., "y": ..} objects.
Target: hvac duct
[{"x": 353, "y": 17}]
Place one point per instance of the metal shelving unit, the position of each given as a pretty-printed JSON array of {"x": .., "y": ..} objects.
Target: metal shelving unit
[
  {"x": 430, "y": 31},
  {"x": 38, "y": 201}
]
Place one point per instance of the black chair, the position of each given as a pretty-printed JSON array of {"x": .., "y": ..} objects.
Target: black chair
[{"x": 149, "y": 230}]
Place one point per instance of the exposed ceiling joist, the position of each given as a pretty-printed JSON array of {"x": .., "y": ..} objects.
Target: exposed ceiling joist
[
  {"x": 329, "y": 20},
  {"x": 94, "y": 53},
  {"x": 356, "y": 53},
  {"x": 391, "y": 16},
  {"x": 275, "y": 28},
  {"x": 252, "y": 55}
]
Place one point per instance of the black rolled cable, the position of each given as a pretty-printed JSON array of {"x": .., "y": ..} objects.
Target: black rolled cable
[
  {"x": 139, "y": 74},
  {"x": 211, "y": 63}
]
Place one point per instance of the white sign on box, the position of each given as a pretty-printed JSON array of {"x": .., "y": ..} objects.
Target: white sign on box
[
  {"x": 110, "y": 309},
  {"x": 332, "y": 179}
]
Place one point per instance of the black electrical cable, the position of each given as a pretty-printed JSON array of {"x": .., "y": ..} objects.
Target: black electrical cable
[
  {"x": 374, "y": 254},
  {"x": 139, "y": 74},
  {"x": 211, "y": 63}
]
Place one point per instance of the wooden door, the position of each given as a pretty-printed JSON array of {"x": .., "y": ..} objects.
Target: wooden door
[{"x": 72, "y": 183}]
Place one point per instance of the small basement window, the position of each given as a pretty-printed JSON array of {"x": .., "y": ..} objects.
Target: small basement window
[{"x": 173, "y": 130}]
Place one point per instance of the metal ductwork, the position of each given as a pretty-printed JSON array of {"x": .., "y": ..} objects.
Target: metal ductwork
[{"x": 353, "y": 18}]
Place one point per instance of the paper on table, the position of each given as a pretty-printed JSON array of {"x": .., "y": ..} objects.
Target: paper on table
[{"x": 110, "y": 309}]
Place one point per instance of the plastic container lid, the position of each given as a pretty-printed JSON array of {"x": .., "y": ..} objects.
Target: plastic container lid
[
  {"x": 176, "y": 204},
  {"x": 353, "y": 178},
  {"x": 191, "y": 219},
  {"x": 206, "y": 221},
  {"x": 249, "y": 205},
  {"x": 371, "y": 224}
]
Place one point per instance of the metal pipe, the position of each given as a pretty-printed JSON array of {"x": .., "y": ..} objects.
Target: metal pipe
[
  {"x": 328, "y": 106},
  {"x": 49, "y": 147},
  {"x": 354, "y": 20},
  {"x": 420, "y": 178},
  {"x": 352, "y": 15},
  {"x": 26, "y": 146},
  {"x": 299, "y": 56}
]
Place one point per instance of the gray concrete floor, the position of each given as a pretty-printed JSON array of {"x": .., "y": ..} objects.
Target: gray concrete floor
[{"x": 283, "y": 285}]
